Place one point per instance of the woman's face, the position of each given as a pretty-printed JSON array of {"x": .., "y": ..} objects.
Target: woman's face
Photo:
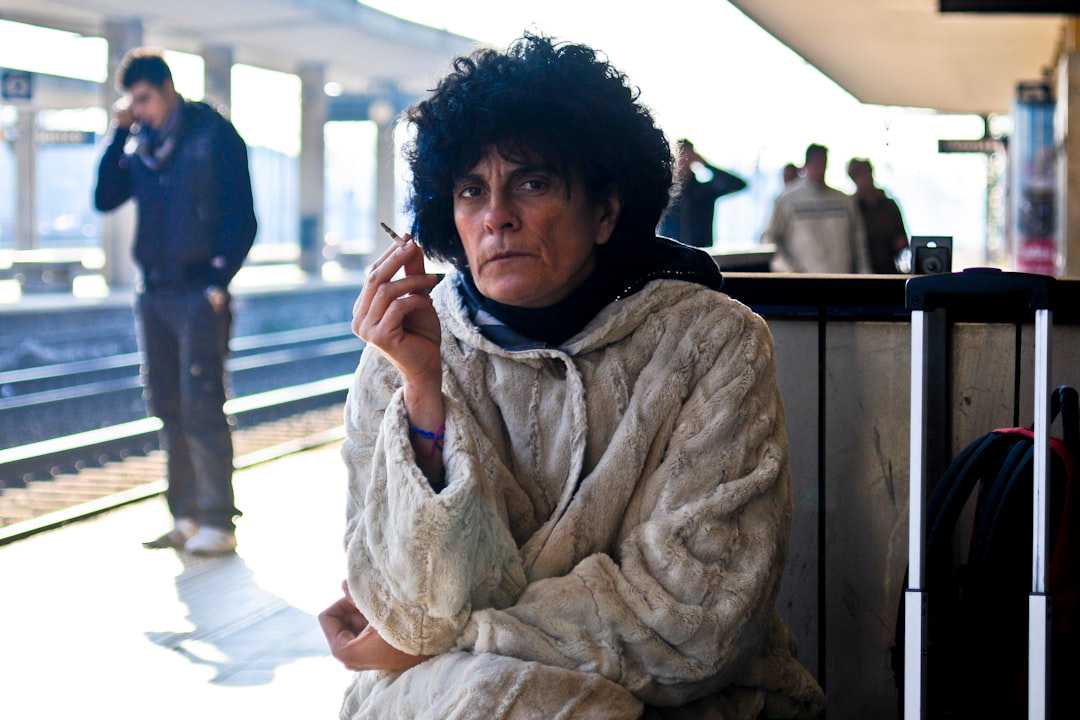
[{"x": 529, "y": 238}]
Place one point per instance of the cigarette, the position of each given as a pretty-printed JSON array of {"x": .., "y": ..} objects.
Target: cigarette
[{"x": 398, "y": 239}]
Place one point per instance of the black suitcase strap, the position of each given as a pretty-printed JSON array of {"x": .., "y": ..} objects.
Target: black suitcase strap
[{"x": 961, "y": 477}]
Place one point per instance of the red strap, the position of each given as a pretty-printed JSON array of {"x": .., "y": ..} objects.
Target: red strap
[
  {"x": 1062, "y": 563},
  {"x": 1057, "y": 446}
]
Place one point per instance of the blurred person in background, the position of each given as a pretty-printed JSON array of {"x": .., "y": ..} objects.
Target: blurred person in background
[
  {"x": 815, "y": 228},
  {"x": 689, "y": 219},
  {"x": 186, "y": 167},
  {"x": 885, "y": 232},
  {"x": 790, "y": 174}
]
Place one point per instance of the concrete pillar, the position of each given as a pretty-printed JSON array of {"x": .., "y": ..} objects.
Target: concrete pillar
[
  {"x": 218, "y": 62},
  {"x": 385, "y": 210},
  {"x": 25, "y": 179},
  {"x": 1067, "y": 132},
  {"x": 118, "y": 227},
  {"x": 313, "y": 106}
]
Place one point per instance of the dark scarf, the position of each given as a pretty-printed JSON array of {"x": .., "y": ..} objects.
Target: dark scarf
[
  {"x": 619, "y": 272},
  {"x": 156, "y": 146}
]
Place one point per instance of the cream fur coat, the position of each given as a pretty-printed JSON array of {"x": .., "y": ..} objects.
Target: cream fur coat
[{"x": 613, "y": 531}]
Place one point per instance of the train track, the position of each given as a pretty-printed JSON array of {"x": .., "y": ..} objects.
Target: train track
[
  {"x": 51, "y": 483},
  {"x": 62, "y": 399},
  {"x": 42, "y": 378}
]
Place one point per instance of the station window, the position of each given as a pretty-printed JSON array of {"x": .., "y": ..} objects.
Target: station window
[
  {"x": 265, "y": 109},
  {"x": 189, "y": 73},
  {"x": 404, "y": 133},
  {"x": 67, "y": 156},
  {"x": 54, "y": 52},
  {"x": 350, "y": 186},
  {"x": 7, "y": 178}
]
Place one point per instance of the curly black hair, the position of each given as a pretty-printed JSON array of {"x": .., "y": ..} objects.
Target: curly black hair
[{"x": 557, "y": 102}]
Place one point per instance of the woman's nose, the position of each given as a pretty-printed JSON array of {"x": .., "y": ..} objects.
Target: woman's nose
[{"x": 500, "y": 214}]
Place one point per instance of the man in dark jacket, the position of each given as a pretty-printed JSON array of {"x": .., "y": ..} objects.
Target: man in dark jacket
[
  {"x": 885, "y": 232},
  {"x": 187, "y": 169},
  {"x": 689, "y": 219}
]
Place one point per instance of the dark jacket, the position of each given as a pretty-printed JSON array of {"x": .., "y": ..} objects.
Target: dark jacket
[
  {"x": 690, "y": 217},
  {"x": 885, "y": 231},
  {"x": 196, "y": 219}
]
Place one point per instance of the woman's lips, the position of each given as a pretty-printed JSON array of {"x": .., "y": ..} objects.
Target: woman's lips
[{"x": 507, "y": 256}]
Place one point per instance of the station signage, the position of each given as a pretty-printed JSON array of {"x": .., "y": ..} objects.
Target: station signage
[
  {"x": 16, "y": 85},
  {"x": 64, "y": 137},
  {"x": 53, "y": 137},
  {"x": 985, "y": 146}
]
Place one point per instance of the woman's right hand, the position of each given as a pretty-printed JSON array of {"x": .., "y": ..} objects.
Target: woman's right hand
[{"x": 398, "y": 317}]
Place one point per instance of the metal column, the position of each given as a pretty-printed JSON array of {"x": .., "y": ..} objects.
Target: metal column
[
  {"x": 25, "y": 179},
  {"x": 118, "y": 227},
  {"x": 313, "y": 106},
  {"x": 217, "y": 64}
]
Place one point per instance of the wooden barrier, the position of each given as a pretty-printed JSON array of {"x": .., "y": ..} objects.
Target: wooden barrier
[{"x": 842, "y": 354}]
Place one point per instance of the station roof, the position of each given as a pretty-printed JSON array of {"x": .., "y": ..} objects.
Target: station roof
[
  {"x": 905, "y": 52},
  {"x": 360, "y": 46}
]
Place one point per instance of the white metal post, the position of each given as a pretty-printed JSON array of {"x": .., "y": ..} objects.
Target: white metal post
[
  {"x": 913, "y": 617},
  {"x": 1038, "y": 607}
]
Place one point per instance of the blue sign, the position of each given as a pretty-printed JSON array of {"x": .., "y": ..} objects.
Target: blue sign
[
  {"x": 64, "y": 137},
  {"x": 16, "y": 85}
]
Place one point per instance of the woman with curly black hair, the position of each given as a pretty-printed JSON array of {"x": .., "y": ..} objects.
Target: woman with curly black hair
[{"x": 568, "y": 476}]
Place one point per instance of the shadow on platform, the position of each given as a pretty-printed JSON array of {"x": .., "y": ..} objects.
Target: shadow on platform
[{"x": 241, "y": 631}]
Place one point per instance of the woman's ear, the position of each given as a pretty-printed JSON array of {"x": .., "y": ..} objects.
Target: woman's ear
[{"x": 608, "y": 217}]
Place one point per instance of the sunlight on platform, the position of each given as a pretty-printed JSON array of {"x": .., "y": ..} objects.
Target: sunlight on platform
[{"x": 130, "y": 633}]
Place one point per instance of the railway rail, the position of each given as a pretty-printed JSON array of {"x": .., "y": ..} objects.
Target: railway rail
[
  {"x": 47, "y": 484},
  {"x": 63, "y": 399}
]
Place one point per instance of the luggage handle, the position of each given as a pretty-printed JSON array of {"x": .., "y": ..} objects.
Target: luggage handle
[
  {"x": 1038, "y": 599},
  {"x": 975, "y": 288}
]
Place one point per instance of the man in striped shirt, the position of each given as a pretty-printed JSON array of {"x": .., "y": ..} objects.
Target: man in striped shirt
[{"x": 815, "y": 228}]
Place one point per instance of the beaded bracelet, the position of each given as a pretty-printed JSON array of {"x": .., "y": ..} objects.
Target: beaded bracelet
[{"x": 437, "y": 438}]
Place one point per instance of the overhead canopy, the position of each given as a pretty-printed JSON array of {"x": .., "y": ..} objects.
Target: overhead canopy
[
  {"x": 905, "y": 52},
  {"x": 361, "y": 47}
]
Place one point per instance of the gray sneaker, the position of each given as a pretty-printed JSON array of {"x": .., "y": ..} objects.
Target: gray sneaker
[
  {"x": 211, "y": 541},
  {"x": 183, "y": 530}
]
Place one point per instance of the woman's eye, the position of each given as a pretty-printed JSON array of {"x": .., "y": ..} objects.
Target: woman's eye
[
  {"x": 469, "y": 191},
  {"x": 534, "y": 184}
]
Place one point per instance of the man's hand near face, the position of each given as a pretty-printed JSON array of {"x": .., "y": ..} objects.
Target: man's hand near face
[{"x": 122, "y": 115}]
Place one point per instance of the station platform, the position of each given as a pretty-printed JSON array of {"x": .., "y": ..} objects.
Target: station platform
[{"x": 93, "y": 625}]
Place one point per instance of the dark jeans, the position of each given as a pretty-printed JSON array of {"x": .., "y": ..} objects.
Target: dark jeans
[{"x": 184, "y": 344}]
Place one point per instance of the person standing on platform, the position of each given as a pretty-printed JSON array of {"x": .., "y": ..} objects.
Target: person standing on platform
[
  {"x": 187, "y": 169},
  {"x": 815, "y": 228},
  {"x": 886, "y": 235},
  {"x": 689, "y": 219},
  {"x": 791, "y": 174}
]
